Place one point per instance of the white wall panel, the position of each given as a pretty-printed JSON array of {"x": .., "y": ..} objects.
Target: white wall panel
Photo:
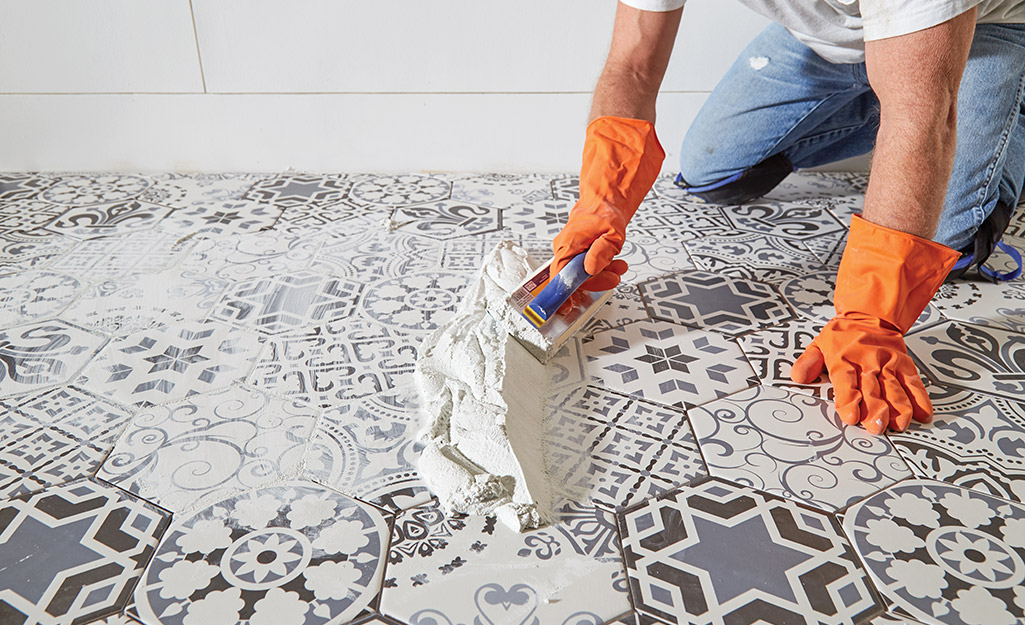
[
  {"x": 94, "y": 46},
  {"x": 443, "y": 46}
]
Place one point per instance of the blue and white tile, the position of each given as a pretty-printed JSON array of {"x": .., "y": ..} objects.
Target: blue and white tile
[
  {"x": 93, "y": 189},
  {"x": 666, "y": 363},
  {"x": 446, "y": 220},
  {"x": 331, "y": 364},
  {"x": 446, "y": 569},
  {"x": 971, "y": 357},
  {"x": 753, "y": 257},
  {"x": 247, "y": 256},
  {"x": 193, "y": 452},
  {"x": 288, "y": 302},
  {"x": 721, "y": 553},
  {"x": 43, "y": 354},
  {"x": 942, "y": 553},
  {"x": 291, "y": 554},
  {"x": 98, "y": 541},
  {"x": 30, "y": 295},
  {"x": 368, "y": 448},
  {"x": 134, "y": 302},
  {"x": 399, "y": 190},
  {"x": 794, "y": 446},
  {"x": 167, "y": 363},
  {"x": 415, "y": 302},
  {"x": 975, "y": 441},
  {"x": 55, "y": 437}
]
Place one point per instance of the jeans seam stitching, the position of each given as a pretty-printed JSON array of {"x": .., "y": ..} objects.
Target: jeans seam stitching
[{"x": 1012, "y": 119}]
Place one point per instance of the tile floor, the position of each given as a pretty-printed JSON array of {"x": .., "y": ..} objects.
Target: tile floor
[{"x": 207, "y": 415}]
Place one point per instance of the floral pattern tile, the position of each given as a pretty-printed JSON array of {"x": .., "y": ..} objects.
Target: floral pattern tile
[
  {"x": 648, "y": 257},
  {"x": 667, "y": 363},
  {"x": 372, "y": 254},
  {"x": 717, "y": 552},
  {"x": 625, "y": 306},
  {"x": 446, "y": 220},
  {"x": 240, "y": 257},
  {"x": 328, "y": 365},
  {"x": 43, "y": 354},
  {"x": 712, "y": 302},
  {"x": 168, "y": 363},
  {"x": 415, "y": 302},
  {"x": 794, "y": 446},
  {"x": 99, "y": 541},
  {"x": 193, "y": 452},
  {"x": 401, "y": 190},
  {"x": 28, "y": 216},
  {"x": 368, "y": 448},
  {"x": 774, "y": 351},
  {"x": 943, "y": 553},
  {"x": 1000, "y": 305},
  {"x": 20, "y": 252},
  {"x": 277, "y": 304},
  {"x": 90, "y": 222},
  {"x": 31, "y": 295},
  {"x": 445, "y": 569},
  {"x": 753, "y": 257},
  {"x": 974, "y": 441},
  {"x": 977, "y": 358},
  {"x": 89, "y": 190},
  {"x": 55, "y": 437},
  {"x": 785, "y": 220},
  {"x": 290, "y": 554}
]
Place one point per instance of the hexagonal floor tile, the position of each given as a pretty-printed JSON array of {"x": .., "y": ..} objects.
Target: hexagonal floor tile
[
  {"x": 712, "y": 302},
  {"x": 300, "y": 190},
  {"x": 678, "y": 221},
  {"x": 400, "y": 190},
  {"x": 73, "y": 553},
  {"x": 774, "y": 351},
  {"x": 717, "y": 552},
  {"x": 503, "y": 190},
  {"x": 456, "y": 569},
  {"x": 943, "y": 553},
  {"x": 90, "y": 222},
  {"x": 291, "y": 553},
  {"x": 43, "y": 354},
  {"x": 415, "y": 302},
  {"x": 794, "y": 446},
  {"x": 447, "y": 220},
  {"x": 1000, "y": 305},
  {"x": 753, "y": 257},
  {"x": 667, "y": 363},
  {"x": 168, "y": 363},
  {"x": 29, "y": 295},
  {"x": 787, "y": 220}
]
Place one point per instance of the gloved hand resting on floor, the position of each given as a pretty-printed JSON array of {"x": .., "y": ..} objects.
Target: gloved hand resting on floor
[
  {"x": 622, "y": 158},
  {"x": 885, "y": 281}
]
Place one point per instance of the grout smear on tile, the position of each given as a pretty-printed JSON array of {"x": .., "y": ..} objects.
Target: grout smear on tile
[{"x": 483, "y": 398}]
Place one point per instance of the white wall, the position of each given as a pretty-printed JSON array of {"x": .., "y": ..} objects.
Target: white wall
[{"x": 326, "y": 85}]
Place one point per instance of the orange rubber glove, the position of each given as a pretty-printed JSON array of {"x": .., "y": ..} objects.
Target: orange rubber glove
[
  {"x": 885, "y": 281},
  {"x": 622, "y": 158}
]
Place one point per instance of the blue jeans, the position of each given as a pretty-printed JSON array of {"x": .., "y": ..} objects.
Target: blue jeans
[{"x": 780, "y": 97}]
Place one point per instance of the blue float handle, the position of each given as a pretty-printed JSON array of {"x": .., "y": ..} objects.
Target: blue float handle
[{"x": 557, "y": 291}]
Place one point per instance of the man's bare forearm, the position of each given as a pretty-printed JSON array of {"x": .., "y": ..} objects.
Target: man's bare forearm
[{"x": 916, "y": 78}]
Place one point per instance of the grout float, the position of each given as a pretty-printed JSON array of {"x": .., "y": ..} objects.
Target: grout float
[{"x": 483, "y": 398}]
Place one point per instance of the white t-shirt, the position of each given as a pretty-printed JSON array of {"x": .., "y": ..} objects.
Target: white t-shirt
[{"x": 837, "y": 29}]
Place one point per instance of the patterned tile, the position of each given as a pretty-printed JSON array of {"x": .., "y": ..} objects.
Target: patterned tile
[
  {"x": 293, "y": 553},
  {"x": 183, "y": 191},
  {"x": 343, "y": 217},
  {"x": 112, "y": 257},
  {"x": 374, "y": 254},
  {"x": 971, "y": 357},
  {"x": 212, "y": 219},
  {"x": 240, "y": 257},
  {"x": 55, "y": 437},
  {"x": 542, "y": 218},
  {"x": 30, "y": 295},
  {"x": 753, "y": 257},
  {"x": 136, "y": 302},
  {"x": 803, "y": 186},
  {"x": 794, "y": 446},
  {"x": 289, "y": 190},
  {"x": 415, "y": 302},
  {"x": 828, "y": 248},
  {"x": 17, "y": 187},
  {"x": 567, "y": 187},
  {"x": 43, "y": 354},
  {"x": 89, "y": 190},
  {"x": 982, "y": 303},
  {"x": 649, "y": 257},
  {"x": 1017, "y": 226},
  {"x": 811, "y": 295},
  {"x": 90, "y": 222},
  {"x": 613, "y": 451},
  {"x": 331, "y": 364},
  {"x": 785, "y": 220},
  {"x": 774, "y": 351},
  {"x": 28, "y": 215},
  {"x": 169, "y": 363},
  {"x": 276, "y": 304},
  {"x": 447, "y": 220},
  {"x": 625, "y": 306},
  {"x": 98, "y": 540},
  {"x": 504, "y": 190},
  {"x": 19, "y": 252},
  {"x": 716, "y": 553},
  {"x": 943, "y": 553},
  {"x": 709, "y": 301},
  {"x": 678, "y": 220},
  {"x": 468, "y": 254},
  {"x": 667, "y": 363},
  {"x": 453, "y": 569},
  {"x": 368, "y": 448},
  {"x": 566, "y": 369},
  {"x": 193, "y": 452},
  {"x": 398, "y": 191},
  {"x": 974, "y": 441}
]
